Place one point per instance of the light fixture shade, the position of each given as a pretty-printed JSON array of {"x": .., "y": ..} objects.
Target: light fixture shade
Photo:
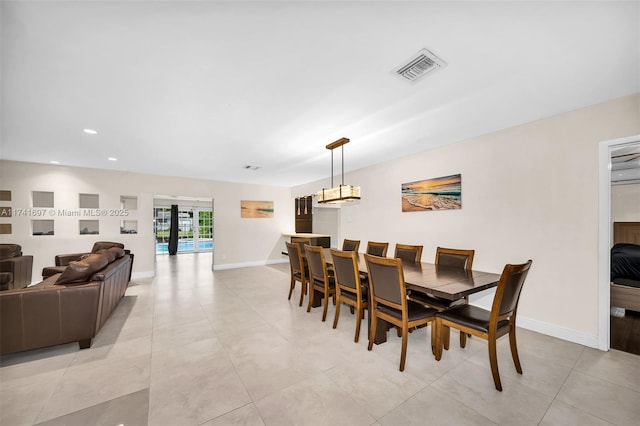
[{"x": 339, "y": 194}]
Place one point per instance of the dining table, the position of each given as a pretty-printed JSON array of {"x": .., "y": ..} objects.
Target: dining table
[{"x": 440, "y": 281}]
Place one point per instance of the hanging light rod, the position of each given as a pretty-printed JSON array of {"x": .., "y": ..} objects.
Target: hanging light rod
[{"x": 342, "y": 192}]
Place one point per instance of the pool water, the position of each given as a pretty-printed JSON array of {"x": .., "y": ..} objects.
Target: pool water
[{"x": 184, "y": 245}]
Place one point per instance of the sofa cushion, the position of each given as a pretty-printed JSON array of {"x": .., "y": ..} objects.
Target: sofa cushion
[
  {"x": 80, "y": 271},
  {"x": 118, "y": 251},
  {"x": 99, "y": 245},
  {"x": 7, "y": 251},
  {"x": 111, "y": 256}
]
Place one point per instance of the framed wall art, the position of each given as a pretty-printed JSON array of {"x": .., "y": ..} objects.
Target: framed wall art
[
  {"x": 442, "y": 193},
  {"x": 256, "y": 209}
]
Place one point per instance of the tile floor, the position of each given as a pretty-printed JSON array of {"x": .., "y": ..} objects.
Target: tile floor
[{"x": 193, "y": 347}]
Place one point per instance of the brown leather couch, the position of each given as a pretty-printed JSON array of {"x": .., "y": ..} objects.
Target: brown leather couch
[
  {"x": 67, "y": 307},
  {"x": 15, "y": 268}
]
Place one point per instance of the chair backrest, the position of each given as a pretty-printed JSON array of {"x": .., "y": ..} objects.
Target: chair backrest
[
  {"x": 408, "y": 253},
  {"x": 301, "y": 242},
  {"x": 350, "y": 245},
  {"x": 386, "y": 281},
  {"x": 345, "y": 266},
  {"x": 505, "y": 301},
  {"x": 295, "y": 258},
  {"x": 317, "y": 265},
  {"x": 377, "y": 249},
  {"x": 457, "y": 258}
]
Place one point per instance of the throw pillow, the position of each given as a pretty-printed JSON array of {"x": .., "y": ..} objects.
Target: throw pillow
[{"x": 80, "y": 271}]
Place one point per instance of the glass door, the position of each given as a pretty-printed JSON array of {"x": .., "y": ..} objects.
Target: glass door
[
  {"x": 195, "y": 229},
  {"x": 203, "y": 231}
]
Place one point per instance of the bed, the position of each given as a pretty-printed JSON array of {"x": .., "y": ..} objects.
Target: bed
[{"x": 625, "y": 266}]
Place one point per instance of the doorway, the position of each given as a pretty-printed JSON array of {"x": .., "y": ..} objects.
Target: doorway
[
  {"x": 606, "y": 152},
  {"x": 195, "y": 228}
]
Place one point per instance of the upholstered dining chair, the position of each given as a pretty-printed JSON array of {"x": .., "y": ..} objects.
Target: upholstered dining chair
[
  {"x": 377, "y": 249},
  {"x": 489, "y": 325},
  {"x": 389, "y": 301},
  {"x": 450, "y": 258},
  {"x": 299, "y": 270},
  {"x": 408, "y": 253},
  {"x": 350, "y": 245},
  {"x": 319, "y": 278},
  {"x": 349, "y": 289}
]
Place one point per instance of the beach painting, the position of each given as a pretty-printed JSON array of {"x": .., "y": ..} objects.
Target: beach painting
[
  {"x": 256, "y": 209},
  {"x": 443, "y": 193}
]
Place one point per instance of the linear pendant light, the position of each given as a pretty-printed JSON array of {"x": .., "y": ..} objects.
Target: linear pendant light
[{"x": 342, "y": 192}]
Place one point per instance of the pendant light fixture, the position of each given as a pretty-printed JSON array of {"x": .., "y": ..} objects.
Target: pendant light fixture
[{"x": 341, "y": 193}]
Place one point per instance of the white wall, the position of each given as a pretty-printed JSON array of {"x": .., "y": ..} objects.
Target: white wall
[
  {"x": 528, "y": 192},
  {"x": 625, "y": 203},
  {"x": 238, "y": 241}
]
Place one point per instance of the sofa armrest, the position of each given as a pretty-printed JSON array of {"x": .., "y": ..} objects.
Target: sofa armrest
[{"x": 64, "y": 259}]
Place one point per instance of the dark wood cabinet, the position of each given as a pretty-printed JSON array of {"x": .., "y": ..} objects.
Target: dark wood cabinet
[{"x": 304, "y": 219}]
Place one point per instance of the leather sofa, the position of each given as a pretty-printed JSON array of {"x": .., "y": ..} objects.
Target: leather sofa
[
  {"x": 15, "y": 268},
  {"x": 71, "y": 306}
]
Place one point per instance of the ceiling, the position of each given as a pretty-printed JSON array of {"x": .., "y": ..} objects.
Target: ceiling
[{"x": 203, "y": 89}]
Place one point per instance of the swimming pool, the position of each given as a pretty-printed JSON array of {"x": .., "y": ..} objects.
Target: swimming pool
[{"x": 185, "y": 245}]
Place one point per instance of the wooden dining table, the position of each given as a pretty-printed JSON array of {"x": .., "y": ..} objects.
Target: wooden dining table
[{"x": 434, "y": 280}]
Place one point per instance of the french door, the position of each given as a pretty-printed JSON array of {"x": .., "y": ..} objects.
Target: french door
[{"x": 195, "y": 229}]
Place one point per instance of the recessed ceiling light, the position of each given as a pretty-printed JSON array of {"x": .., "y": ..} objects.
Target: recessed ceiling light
[
  {"x": 112, "y": 159},
  {"x": 90, "y": 131},
  {"x": 54, "y": 162}
]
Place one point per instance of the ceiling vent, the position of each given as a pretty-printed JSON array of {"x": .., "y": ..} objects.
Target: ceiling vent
[{"x": 421, "y": 64}]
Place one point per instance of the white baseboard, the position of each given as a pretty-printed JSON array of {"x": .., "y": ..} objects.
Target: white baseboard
[
  {"x": 560, "y": 332},
  {"x": 248, "y": 264}
]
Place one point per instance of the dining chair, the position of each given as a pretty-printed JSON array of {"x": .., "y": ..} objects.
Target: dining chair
[
  {"x": 408, "y": 253},
  {"x": 489, "y": 325},
  {"x": 377, "y": 249},
  {"x": 349, "y": 288},
  {"x": 448, "y": 258},
  {"x": 319, "y": 278},
  {"x": 299, "y": 270},
  {"x": 350, "y": 245},
  {"x": 389, "y": 301}
]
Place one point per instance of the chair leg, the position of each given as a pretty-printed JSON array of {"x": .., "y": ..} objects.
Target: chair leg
[
  {"x": 434, "y": 340},
  {"x": 291, "y": 286},
  {"x": 358, "y": 321},
  {"x": 514, "y": 349},
  {"x": 351, "y": 309},
  {"x": 303, "y": 291},
  {"x": 463, "y": 339},
  {"x": 493, "y": 360},
  {"x": 438, "y": 332},
  {"x": 403, "y": 352},
  {"x": 312, "y": 292},
  {"x": 446, "y": 337},
  {"x": 372, "y": 331},
  {"x": 337, "y": 314},
  {"x": 326, "y": 306}
]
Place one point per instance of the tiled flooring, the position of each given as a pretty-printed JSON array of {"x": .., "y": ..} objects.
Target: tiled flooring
[{"x": 193, "y": 347}]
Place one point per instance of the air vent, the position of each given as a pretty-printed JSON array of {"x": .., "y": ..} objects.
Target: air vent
[{"x": 421, "y": 64}]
